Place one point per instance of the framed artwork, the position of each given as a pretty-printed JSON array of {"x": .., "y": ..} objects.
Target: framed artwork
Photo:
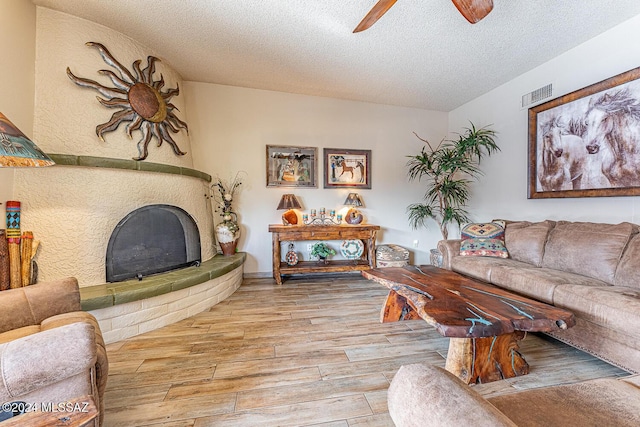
[
  {"x": 291, "y": 166},
  {"x": 587, "y": 143},
  {"x": 347, "y": 168}
]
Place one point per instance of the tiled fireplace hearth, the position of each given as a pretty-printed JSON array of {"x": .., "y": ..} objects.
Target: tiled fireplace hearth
[{"x": 132, "y": 307}]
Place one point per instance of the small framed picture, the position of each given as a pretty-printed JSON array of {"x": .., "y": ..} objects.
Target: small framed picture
[
  {"x": 289, "y": 166},
  {"x": 347, "y": 168}
]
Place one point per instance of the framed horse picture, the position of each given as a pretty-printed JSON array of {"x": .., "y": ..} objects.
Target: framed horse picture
[
  {"x": 587, "y": 143},
  {"x": 347, "y": 168}
]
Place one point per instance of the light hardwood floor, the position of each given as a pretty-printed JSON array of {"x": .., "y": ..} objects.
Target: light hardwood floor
[{"x": 309, "y": 352}]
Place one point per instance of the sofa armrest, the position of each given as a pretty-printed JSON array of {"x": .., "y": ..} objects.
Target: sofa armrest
[
  {"x": 422, "y": 395},
  {"x": 45, "y": 358},
  {"x": 449, "y": 249},
  {"x": 102, "y": 363},
  {"x": 32, "y": 304}
]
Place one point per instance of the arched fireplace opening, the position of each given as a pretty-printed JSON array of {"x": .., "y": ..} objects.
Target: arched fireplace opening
[{"x": 152, "y": 239}]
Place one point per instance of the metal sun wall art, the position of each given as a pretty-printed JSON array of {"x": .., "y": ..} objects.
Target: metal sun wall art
[{"x": 140, "y": 100}]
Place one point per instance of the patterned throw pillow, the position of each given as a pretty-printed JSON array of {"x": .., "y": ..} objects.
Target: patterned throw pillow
[
  {"x": 487, "y": 230},
  {"x": 483, "y": 239}
]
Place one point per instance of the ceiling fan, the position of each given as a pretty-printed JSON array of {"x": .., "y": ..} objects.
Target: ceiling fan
[{"x": 472, "y": 10}]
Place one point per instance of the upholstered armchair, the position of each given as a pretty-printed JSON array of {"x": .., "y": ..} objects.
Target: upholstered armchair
[
  {"x": 423, "y": 395},
  {"x": 50, "y": 350}
]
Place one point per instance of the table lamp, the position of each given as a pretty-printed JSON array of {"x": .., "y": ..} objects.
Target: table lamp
[
  {"x": 289, "y": 202},
  {"x": 16, "y": 150},
  {"x": 353, "y": 215}
]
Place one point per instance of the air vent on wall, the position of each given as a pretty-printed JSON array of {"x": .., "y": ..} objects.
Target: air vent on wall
[{"x": 537, "y": 95}]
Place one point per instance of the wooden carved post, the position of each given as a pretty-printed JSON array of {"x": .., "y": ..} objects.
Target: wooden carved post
[
  {"x": 26, "y": 247},
  {"x": 275, "y": 242},
  {"x": 13, "y": 240},
  {"x": 396, "y": 308},
  {"x": 4, "y": 262},
  {"x": 482, "y": 360}
]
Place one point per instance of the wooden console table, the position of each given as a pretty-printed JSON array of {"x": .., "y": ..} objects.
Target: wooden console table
[{"x": 285, "y": 233}]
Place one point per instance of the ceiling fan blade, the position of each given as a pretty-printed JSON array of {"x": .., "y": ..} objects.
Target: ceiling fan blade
[
  {"x": 474, "y": 10},
  {"x": 374, "y": 14}
]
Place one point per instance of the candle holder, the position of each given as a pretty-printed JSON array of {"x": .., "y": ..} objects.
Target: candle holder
[{"x": 321, "y": 218}]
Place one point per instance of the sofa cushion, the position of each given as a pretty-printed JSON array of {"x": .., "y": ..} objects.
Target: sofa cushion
[
  {"x": 586, "y": 248},
  {"x": 483, "y": 239},
  {"x": 614, "y": 307},
  {"x": 484, "y": 230},
  {"x": 481, "y": 267},
  {"x": 628, "y": 272},
  {"x": 601, "y": 402},
  {"x": 30, "y": 305},
  {"x": 525, "y": 240},
  {"x": 538, "y": 283},
  {"x": 484, "y": 247}
]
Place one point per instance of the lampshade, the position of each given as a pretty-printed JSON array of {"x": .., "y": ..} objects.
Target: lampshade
[
  {"x": 289, "y": 201},
  {"x": 353, "y": 199},
  {"x": 16, "y": 150}
]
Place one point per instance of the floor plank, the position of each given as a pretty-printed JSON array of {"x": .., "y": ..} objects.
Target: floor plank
[
  {"x": 308, "y": 353},
  {"x": 307, "y": 413},
  {"x": 310, "y": 391}
]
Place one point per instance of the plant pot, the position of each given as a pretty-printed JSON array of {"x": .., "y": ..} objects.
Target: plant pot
[
  {"x": 435, "y": 258},
  {"x": 323, "y": 261},
  {"x": 227, "y": 234}
]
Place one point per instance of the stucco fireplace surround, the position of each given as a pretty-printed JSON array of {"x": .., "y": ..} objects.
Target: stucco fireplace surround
[
  {"x": 76, "y": 213},
  {"x": 73, "y": 207}
]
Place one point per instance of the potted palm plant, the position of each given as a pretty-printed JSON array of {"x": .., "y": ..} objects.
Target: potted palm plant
[{"x": 447, "y": 170}]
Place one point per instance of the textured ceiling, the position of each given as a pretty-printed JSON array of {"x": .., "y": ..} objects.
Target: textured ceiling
[{"x": 422, "y": 53}]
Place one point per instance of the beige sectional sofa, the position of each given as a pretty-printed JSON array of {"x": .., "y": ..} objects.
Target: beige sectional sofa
[{"x": 591, "y": 269}]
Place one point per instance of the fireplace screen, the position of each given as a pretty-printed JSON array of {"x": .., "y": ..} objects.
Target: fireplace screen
[{"x": 150, "y": 240}]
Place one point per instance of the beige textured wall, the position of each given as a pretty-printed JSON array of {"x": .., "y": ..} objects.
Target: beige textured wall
[
  {"x": 17, "y": 33},
  {"x": 502, "y": 192},
  {"x": 66, "y": 115},
  {"x": 232, "y": 126},
  {"x": 73, "y": 210}
]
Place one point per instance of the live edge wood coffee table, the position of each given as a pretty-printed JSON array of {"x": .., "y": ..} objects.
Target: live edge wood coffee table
[{"x": 484, "y": 323}]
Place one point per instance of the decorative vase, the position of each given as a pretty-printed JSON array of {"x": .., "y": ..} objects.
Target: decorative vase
[
  {"x": 228, "y": 233},
  {"x": 353, "y": 217},
  {"x": 436, "y": 258},
  {"x": 291, "y": 258}
]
